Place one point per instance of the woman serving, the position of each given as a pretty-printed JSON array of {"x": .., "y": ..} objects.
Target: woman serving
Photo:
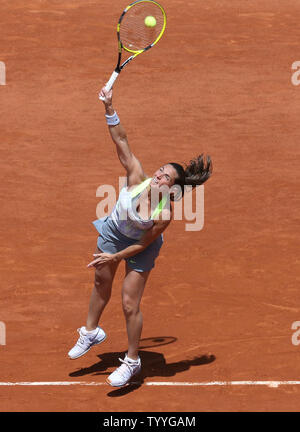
[{"x": 132, "y": 232}]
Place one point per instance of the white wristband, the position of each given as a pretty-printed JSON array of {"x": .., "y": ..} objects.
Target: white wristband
[{"x": 112, "y": 120}]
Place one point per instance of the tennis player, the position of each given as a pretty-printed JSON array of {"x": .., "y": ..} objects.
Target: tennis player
[{"x": 133, "y": 232}]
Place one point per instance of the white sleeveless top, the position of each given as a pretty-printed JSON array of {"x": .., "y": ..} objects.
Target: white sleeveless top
[{"x": 125, "y": 216}]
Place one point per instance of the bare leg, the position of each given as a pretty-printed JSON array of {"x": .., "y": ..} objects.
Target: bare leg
[
  {"x": 104, "y": 275},
  {"x": 132, "y": 291}
]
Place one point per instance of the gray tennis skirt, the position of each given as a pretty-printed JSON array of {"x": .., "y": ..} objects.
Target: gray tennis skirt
[{"x": 111, "y": 240}]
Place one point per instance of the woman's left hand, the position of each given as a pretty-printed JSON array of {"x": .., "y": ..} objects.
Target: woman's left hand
[{"x": 103, "y": 258}]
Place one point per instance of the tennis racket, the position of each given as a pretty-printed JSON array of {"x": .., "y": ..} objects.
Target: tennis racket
[{"x": 140, "y": 27}]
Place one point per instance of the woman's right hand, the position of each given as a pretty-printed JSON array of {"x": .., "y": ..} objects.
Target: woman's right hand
[{"x": 107, "y": 95}]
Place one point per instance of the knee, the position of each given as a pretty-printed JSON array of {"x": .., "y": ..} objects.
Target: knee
[
  {"x": 102, "y": 283},
  {"x": 130, "y": 307}
]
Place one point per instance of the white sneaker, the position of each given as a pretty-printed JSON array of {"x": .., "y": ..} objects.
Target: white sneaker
[
  {"x": 86, "y": 341},
  {"x": 121, "y": 376}
]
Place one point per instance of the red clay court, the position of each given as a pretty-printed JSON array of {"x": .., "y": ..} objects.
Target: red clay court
[{"x": 220, "y": 303}]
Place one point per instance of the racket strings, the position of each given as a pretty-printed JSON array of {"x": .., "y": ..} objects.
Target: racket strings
[{"x": 134, "y": 34}]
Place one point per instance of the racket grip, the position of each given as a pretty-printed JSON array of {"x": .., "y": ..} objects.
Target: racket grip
[{"x": 110, "y": 82}]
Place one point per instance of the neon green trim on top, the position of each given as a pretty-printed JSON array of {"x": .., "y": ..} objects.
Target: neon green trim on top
[
  {"x": 140, "y": 188},
  {"x": 159, "y": 208}
]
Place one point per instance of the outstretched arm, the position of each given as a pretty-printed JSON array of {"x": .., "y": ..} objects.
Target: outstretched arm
[{"x": 135, "y": 173}]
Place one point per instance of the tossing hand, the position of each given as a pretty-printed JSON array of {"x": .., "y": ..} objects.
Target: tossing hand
[{"x": 103, "y": 258}]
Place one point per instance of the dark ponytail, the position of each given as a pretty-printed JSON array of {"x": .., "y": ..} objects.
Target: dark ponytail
[{"x": 195, "y": 174}]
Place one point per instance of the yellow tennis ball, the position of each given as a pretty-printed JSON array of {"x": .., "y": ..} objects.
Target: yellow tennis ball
[{"x": 150, "y": 21}]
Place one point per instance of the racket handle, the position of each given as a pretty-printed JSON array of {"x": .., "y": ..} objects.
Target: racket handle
[{"x": 110, "y": 82}]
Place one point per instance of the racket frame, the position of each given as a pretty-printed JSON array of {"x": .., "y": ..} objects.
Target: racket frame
[{"x": 134, "y": 53}]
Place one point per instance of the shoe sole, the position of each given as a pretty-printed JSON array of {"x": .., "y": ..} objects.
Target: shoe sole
[
  {"x": 117, "y": 386},
  {"x": 80, "y": 355},
  {"x": 123, "y": 385}
]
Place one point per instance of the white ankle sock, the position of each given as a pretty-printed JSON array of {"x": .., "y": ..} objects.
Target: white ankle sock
[
  {"x": 131, "y": 360},
  {"x": 90, "y": 331}
]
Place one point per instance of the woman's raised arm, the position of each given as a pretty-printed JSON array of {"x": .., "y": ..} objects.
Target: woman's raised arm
[{"x": 133, "y": 167}]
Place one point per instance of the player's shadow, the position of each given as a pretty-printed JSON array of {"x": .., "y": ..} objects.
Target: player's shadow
[{"x": 153, "y": 365}]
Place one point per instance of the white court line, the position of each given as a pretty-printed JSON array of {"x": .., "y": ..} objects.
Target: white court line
[{"x": 273, "y": 384}]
